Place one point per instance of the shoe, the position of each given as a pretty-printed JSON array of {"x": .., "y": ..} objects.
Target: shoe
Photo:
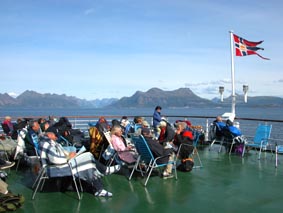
[
  {"x": 7, "y": 165},
  {"x": 167, "y": 175},
  {"x": 103, "y": 193},
  {"x": 3, "y": 175},
  {"x": 112, "y": 169},
  {"x": 168, "y": 146}
]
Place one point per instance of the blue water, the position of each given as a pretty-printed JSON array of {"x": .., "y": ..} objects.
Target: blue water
[
  {"x": 247, "y": 127},
  {"x": 241, "y": 112}
]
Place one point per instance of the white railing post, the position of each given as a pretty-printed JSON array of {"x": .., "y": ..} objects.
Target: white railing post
[{"x": 206, "y": 131}]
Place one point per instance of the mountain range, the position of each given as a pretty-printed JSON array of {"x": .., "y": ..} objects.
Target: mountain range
[{"x": 182, "y": 97}]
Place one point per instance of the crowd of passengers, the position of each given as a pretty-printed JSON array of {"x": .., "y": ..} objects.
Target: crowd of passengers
[{"x": 50, "y": 137}]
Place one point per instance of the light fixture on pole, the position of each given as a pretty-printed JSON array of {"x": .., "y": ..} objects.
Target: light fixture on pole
[
  {"x": 221, "y": 90},
  {"x": 245, "y": 89}
]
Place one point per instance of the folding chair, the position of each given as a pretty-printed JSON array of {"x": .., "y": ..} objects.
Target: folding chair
[
  {"x": 195, "y": 150},
  {"x": 7, "y": 146},
  {"x": 48, "y": 171},
  {"x": 216, "y": 136},
  {"x": 260, "y": 140},
  {"x": 109, "y": 155},
  {"x": 112, "y": 156},
  {"x": 21, "y": 152},
  {"x": 146, "y": 157}
]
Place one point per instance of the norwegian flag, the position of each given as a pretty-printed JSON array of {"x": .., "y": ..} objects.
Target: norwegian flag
[{"x": 244, "y": 47}]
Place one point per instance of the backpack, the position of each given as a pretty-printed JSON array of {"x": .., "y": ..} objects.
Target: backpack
[
  {"x": 10, "y": 202},
  {"x": 186, "y": 165},
  {"x": 239, "y": 148}
]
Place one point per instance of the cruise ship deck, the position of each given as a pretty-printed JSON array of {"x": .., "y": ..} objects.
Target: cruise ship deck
[{"x": 226, "y": 183}]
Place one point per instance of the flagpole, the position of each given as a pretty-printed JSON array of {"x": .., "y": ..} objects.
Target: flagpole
[{"x": 233, "y": 111}]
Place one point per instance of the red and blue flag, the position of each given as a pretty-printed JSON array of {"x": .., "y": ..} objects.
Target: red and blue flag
[{"x": 244, "y": 47}]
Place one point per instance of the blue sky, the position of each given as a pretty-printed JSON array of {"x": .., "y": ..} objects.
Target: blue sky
[{"x": 112, "y": 48}]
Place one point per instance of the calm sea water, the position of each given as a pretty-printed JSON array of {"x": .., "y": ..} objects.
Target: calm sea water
[
  {"x": 241, "y": 112},
  {"x": 247, "y": 127}
]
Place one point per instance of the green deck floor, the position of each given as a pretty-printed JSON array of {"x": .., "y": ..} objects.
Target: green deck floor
[{"x": 225, "y": 184}]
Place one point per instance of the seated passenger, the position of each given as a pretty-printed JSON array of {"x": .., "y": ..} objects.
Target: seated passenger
[
  {"x": 102, "y": 125},
  {"x": 218, "y": 121},
  {"x": 31, "y": 138},
  {"x": 167, "y": 133},
  {"x": 125, "y": 153},
  {"x": 158, "y": 150},
  {"x": 85, "y": 166},
  {"x": 183, "y": 136},
  {"x": 126, "y": 126},
  {"x": 8, "y": 126},
  {"x": 64, "y": 128},
  {"x": 138, "y": 125}
]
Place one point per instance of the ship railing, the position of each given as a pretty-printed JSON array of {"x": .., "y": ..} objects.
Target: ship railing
[{"x": 247, "y": 125}]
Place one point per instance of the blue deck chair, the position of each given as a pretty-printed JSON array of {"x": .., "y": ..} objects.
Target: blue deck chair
[
  {"x": 215, "y": 135},
  {"x": 48, "y": 171},
  {"x": 278, "y": 150},
  {"x": 260, "y": 140},
  {"x": 111, "y": 156},
  {"x": 146, "y": 157},
  {"x": 195, "y": 150}
]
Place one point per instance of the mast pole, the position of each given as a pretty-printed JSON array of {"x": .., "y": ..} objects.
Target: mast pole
[{"x": 233, "y": 106}]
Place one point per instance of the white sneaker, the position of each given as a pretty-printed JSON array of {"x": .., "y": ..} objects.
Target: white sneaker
[
  {"x": 168, "y": 146},
  {"x": 167, "y": 175},
  {"x": 103, "y": 193},
  {"x": 112, "y": 169}
]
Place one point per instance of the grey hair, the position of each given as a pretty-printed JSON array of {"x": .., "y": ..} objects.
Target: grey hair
[
  {"x": 182, "y": 124},
  {"x": 116, "y": 129}
]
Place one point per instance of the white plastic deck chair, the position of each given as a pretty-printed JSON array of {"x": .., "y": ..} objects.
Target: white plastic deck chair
[
  {"x": 260, "y": 140},
  {"x": 109, "y": 153},
  {"x": 146, "y": 157}
]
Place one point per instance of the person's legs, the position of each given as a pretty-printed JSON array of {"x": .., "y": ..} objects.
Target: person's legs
[
  {"x": 3, "y": 187},
  {"x": 107, "y": 170},
  {"x": 6, "y": 164},
  {"x": 91, "y": 171},
  {"x": 156, "y": 132},
  {"x": 168, "y": 170}
]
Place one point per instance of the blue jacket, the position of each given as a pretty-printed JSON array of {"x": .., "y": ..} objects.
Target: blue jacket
[{"x": 156, "y": 118}]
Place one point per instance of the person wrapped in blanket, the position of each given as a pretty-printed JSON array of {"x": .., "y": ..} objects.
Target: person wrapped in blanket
[{"x": 86, "y": 167}]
